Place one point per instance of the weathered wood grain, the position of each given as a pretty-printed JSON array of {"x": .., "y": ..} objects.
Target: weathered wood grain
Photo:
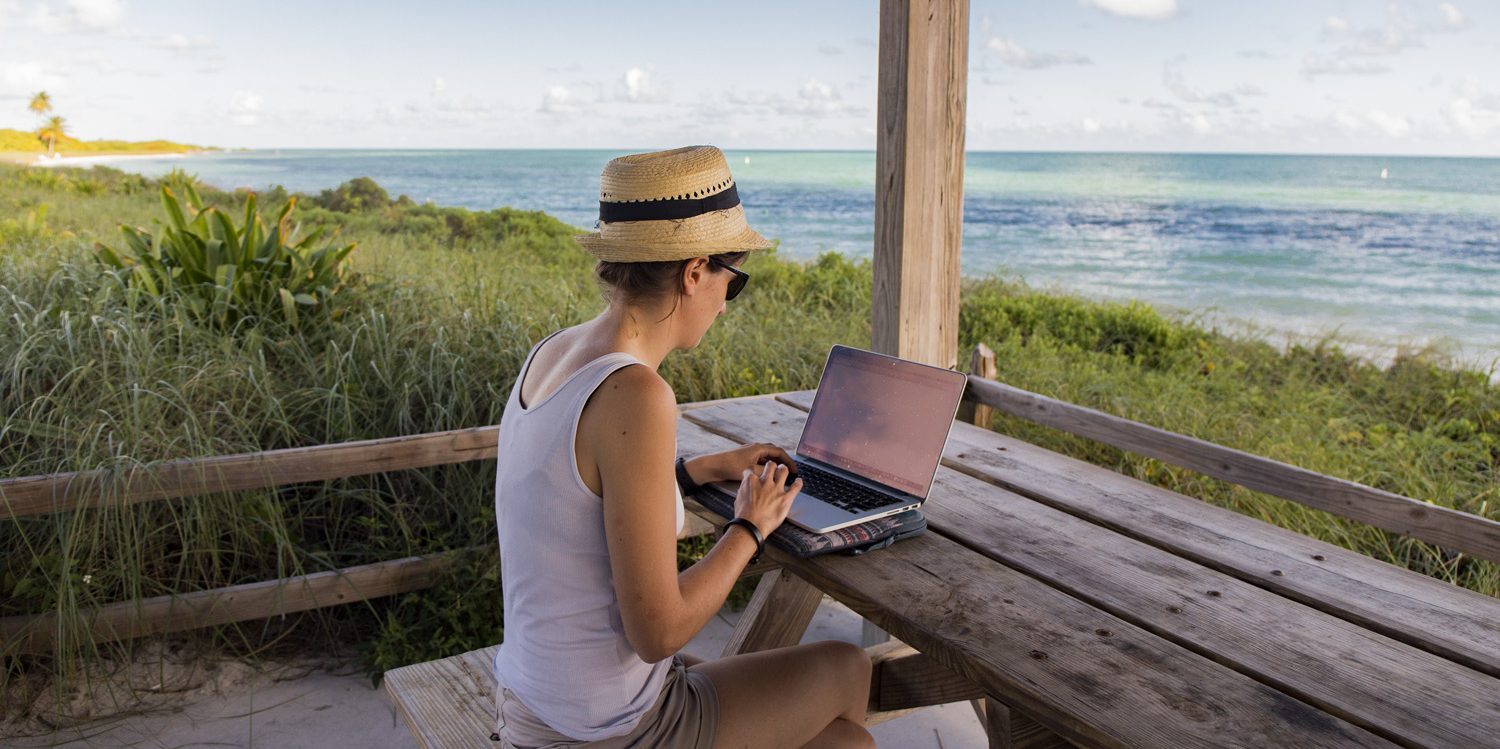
[
  {"x": 1371, "y": 680},
  {"x": 981, "y": 364},
  {"x": 1448, "y": 620},
  {"x": 1017, "y": 637},
  {"x": 59, "y": 492},
  {"x": 236, "y": 603},
  {"x": 777, "y": 616},
  {"x": 447, "y": 703},
  {"x": 1434, "y": 524},
  {"x": 902, "y": 678},
  {"x": 919, "y": 157}
]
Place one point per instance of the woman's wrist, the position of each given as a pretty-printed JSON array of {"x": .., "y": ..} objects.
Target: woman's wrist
[
  {"x": 752, "y": 531},
  {"x": 702, "y": 470}
]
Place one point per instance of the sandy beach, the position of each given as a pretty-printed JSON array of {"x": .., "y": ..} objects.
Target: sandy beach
[{"x": 85, "y": 158}]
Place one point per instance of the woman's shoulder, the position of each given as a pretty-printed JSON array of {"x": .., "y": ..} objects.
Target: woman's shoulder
[{"x": 637, "y": 388}]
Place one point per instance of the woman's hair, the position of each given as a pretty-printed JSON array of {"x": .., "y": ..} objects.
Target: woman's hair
[{"x": 646, "y": 282}]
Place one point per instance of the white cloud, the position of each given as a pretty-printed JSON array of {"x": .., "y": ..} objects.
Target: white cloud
[
  {"x": 439, "y": 86},
  {"x": 637, "y": 86},
  {"x": 1335, "y": 25},
  {"x": 26, "y": 78},
  {"x": 558, "y": 100},
  {"x": 830, "y": 49},
  {"x": 183, "y": 44},
  {"x": 1313, "y": 66},
  {"x": 1172, "y": 78},
  {"x": 815, "y": 90},
  {"x": 244, "y": 107},
  {"x": 1197, "y": 123},
  {"x": 1471, "y": 120},
  {"x": 96, "y": 14},
  {"x": 1453, "y": 18},
  {"x": 1396, "y": 126},
  {"x": 1013, "y": 54},
  {"x": 1091, "y": 125},
  {"x": 1151, "y": 10},
  {"x": 89, "y": 15}
]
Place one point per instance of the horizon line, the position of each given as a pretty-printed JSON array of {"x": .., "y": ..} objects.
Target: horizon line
[{"x": 1101, "y": 152}]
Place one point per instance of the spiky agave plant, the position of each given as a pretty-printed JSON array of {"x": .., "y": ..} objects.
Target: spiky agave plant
[{"x": 224, "y": 274}]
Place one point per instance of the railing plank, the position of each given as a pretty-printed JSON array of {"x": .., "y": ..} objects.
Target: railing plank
[
  {"x": 36, "y": 495},
  {"x": 1443, "y": 526},
  {"x": 174, "y": 613}
]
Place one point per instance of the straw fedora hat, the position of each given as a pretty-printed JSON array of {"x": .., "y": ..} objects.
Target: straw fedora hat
[{"x": 669, "y": 205}]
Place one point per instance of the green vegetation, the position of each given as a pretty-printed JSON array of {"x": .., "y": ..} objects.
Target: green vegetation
[
  {"x": 24, "y": 142},
  {"x": 226, "y": 275},
  {"x": 99, "y": 374},
  {"x": 51, "y": 137}
]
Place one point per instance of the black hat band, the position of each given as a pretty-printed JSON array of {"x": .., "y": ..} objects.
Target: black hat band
[{"x": 663, "y": 210}]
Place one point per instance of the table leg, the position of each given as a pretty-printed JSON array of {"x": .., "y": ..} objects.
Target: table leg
[
  {"x": 1011, "y": 729},
  {"x": 779, "y": 612}
]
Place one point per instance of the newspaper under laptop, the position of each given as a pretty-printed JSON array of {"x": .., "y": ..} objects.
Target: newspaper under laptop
[{"x": 873, "y": 439}]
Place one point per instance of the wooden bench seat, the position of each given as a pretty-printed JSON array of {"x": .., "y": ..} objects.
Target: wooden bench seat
[{"x": 449, "y": 702}]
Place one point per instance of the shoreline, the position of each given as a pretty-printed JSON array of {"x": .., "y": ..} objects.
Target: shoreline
[{"x": 86, "y": 158}]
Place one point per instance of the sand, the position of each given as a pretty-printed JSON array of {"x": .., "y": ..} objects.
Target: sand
[
  {"x": 185, "y": 700},
  {"x": 83, "y": 158}
]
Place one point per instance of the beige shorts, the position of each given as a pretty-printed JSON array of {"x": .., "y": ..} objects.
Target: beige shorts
[{"x": 685, "y": 716}]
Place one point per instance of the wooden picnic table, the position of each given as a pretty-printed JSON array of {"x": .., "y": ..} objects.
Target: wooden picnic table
[{"x": 1115, "y": 613}]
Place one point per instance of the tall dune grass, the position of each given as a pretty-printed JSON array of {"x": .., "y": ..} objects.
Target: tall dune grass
[{"x": 89, "y": 378}]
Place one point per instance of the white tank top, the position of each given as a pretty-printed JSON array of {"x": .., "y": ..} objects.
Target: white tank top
[{"x": 564, "y": 655}]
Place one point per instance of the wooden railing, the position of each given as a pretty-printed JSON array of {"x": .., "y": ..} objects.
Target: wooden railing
[
  {"x": 62, "y": 492},
  {"x": 1443, "y": 526},
  {"x": 83, "y": 490}
]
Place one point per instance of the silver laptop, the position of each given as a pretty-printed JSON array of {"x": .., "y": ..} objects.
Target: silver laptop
[{"x": 873, "y": 438}]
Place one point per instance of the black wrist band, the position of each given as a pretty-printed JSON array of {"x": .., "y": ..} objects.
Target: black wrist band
[
  {"x": 760, "y": 540},
  {"x": 684, "y": 481}
]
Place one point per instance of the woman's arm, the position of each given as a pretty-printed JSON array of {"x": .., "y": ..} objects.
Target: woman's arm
[{"x": 629, "y": 428}]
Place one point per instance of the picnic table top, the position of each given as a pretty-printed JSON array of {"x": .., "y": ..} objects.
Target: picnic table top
[{"x": 1117, "y": 613}]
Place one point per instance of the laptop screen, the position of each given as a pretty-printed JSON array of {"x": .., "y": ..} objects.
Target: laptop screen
[{"x": 883, "y": 418}]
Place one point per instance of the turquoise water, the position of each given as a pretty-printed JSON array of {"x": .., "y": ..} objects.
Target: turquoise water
[{"x": 1290, "y": 245}]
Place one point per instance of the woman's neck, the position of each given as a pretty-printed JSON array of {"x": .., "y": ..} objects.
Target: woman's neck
[{"x": 638, "y": 331}]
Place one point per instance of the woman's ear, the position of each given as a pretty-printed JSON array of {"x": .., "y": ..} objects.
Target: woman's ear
[{"x": 694, "y": 273}]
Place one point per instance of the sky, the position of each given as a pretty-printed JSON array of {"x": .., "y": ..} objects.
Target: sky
[{"x": 1276, "y": 76}]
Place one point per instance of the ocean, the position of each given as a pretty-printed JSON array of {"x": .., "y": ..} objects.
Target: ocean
[{"x": 1384, "y": 253}]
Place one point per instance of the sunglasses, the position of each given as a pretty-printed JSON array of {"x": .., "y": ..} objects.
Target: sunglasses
[{"x": 736, "y": 284}]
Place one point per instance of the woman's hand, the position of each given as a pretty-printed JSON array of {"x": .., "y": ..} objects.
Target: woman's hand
[
  {"x": 765, "y": 497},
  {"x": 732, "y": 464}
]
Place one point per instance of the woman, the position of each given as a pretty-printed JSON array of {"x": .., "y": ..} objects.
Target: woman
[{"x": 588, "y": 507}]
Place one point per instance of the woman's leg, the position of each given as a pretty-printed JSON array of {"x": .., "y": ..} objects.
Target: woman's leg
[{"x": 810, "y": 695}]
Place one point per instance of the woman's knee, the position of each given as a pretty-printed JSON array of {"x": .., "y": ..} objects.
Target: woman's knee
[
  {"x": 845, "y": 662},
  {"x": 852, "y": 658}
]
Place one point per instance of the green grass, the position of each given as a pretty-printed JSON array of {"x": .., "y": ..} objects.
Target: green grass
[{"x": 91, "y": 376}]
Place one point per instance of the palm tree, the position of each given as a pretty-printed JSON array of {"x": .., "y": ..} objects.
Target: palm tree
[
  {"x": 41, "y": 103},
  {"x": 55, "y": 128}
]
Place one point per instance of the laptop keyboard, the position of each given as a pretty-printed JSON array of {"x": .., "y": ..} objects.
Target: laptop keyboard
[{"x": 840, "y": 492}]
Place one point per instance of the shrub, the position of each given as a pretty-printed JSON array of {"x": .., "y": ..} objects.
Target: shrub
[
  {"x": 225, "y": 274},
  {"x": 356, "y": 195}
]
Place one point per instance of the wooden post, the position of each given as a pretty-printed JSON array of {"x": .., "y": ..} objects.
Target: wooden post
[
  {"x": 973, "y": 410},
  {"x": 919, "y": 171}
]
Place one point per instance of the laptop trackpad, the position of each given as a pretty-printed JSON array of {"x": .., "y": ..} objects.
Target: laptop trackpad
[{"x": 815, "y": 515}]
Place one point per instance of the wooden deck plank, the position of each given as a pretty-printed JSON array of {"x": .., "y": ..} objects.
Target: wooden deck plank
[
  {"x": 448, "y": 703},
  {"x": 1381, "y": 684},
  {"x": 1454, "y": 622},
  {"x": 1040, "y": 650}
]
